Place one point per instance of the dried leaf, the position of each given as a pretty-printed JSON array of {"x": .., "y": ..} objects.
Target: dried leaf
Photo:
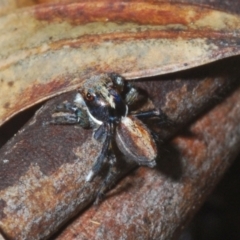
[
  {"x": 7, "y": 6},
  {"x": 50, "y": 49}
]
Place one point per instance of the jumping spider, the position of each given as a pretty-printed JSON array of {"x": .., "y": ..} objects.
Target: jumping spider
[{"x": 104, "y": 103}]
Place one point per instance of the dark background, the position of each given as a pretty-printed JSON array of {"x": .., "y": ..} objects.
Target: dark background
[{"x": 219, "y": 217}]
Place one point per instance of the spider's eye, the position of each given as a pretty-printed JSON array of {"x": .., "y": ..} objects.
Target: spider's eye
[{"x": 89, "y": 97}]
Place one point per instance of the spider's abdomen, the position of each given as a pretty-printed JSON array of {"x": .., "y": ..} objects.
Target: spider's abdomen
[{"x": 135, "y": 141}]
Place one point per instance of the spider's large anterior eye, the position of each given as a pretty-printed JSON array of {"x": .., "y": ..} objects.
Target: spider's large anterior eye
[{"x": 89, "y": 97}]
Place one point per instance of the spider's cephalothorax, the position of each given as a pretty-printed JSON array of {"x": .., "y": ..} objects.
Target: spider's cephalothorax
[{"x": 104, "y": 103}]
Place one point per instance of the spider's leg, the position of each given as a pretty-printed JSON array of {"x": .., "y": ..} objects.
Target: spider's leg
[
  {"x": 100, "y": 133},
  {"x": 161, "y": 117},
  {"x": 69, "y": 114},
  {"x": 66, "y": 107},
  {"x": 110, "y": 178},
  {"x": 147, "y": 114},
  {"x": 66, "y": 119},
  {"x": 100, "y": 159},
  {"x": 133, "y": 95}
]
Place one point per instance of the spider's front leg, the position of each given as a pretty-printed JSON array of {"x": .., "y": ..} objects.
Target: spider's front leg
[{"x": 69, "y": 114}]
